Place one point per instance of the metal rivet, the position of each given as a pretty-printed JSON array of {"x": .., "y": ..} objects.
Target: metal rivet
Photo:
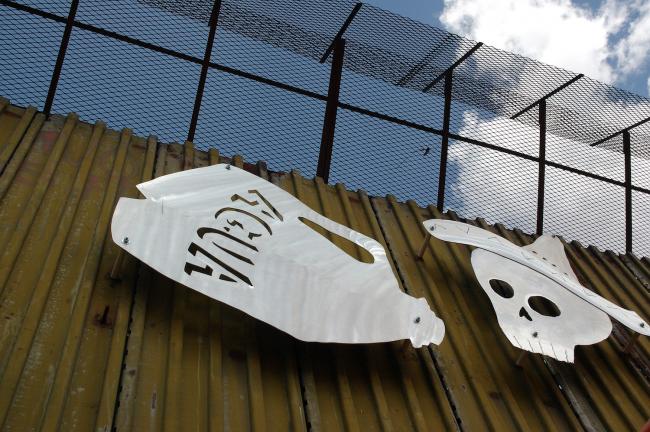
[
  {"x": 432, "y": 227},
  {"x": 642, "y": 324},
  {"x": 417, "y": 320},
  {"x": 535, "y": 334},
  {"x": 125, "y": 240}
]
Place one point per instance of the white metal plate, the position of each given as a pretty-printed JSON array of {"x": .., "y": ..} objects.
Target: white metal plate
[
  {"x": 579, "y": 323},
  {"x": 539, "y": 269},
  {"x": 238, "y": 238}
]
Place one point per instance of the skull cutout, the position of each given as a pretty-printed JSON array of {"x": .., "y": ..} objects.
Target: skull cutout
[
  {"x": 540, "y": 304},
  {"x": 535, "y": 313}
]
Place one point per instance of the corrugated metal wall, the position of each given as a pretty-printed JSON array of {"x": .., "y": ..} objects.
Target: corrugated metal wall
[{"x": 82, "y": 351}]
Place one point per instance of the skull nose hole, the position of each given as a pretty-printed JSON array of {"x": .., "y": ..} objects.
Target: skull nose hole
[
  {"x": 543, "y": 306},
  {"x": 524, "y": 313},
  {"x": 502, "y": 288}
]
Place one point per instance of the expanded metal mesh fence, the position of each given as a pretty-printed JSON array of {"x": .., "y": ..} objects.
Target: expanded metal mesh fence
[{"x": 354, "y": 94}]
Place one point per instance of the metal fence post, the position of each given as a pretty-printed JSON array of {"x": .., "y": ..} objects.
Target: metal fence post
[
  {"x": 56, "y": 73},
  {"x": 541, "y": 172},
  {"x": 442, "y": 174},
  {"x": 628, "y": 191},
  {"x": 329, "y": 123},
  {"x": 214, "y": 17}
]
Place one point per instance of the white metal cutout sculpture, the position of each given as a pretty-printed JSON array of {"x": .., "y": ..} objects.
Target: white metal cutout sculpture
[
  {"x": 540, "y": 304},
  {"x": 238, "y": 238}
]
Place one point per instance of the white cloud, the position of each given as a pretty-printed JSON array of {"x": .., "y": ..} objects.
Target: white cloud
[
  {"x": 576, "y": 207},
  {"x": 632, "y": 50},
  {"x": 609, "y": 45},
  {"x": 560, "y": 33}
]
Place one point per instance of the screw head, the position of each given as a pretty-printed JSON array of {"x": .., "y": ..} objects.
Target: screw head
[
  {"x": 432, "y": 228},
  {"x": 417, "y": 320},
  {"x": 642, "y": 325},
  {"x": 125, "y": 240},
  {"x": 535, "y": 334}
]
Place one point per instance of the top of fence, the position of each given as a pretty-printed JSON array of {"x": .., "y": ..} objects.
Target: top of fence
[
  {"x": 412, "y": 55},
  {"x": 139, "y": 64}
]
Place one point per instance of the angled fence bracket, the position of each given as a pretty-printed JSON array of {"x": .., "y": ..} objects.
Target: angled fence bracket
[
  {"x": 329, "y": 123},
  {"x": 214, "y": 18},
  {"x": 58, "y": 66}
]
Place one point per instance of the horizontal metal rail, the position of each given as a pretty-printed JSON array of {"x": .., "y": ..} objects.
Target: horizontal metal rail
[{"x": 318, "y": 96}]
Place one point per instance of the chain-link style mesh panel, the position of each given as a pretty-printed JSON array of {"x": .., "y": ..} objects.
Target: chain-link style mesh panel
[
  {"x": 467, "y": 121},
  {"x": 584, "y": 209},
  {"x": 589, "y": 111},
  {"x": 398, "y": 50},
  {"x": 378, "y": 96},
  {"x": 640, "y": 164},
  {"x": 604, "y": 162},
  {"x": 240, "y": 116},
  {"x": 489, "y": 184},
  {"x": 266, "y": 90},
  {"x": 505, "y": 83},
  {"x": 26, "y": 71},
  {"x": 641, "y": 223},
  {"x": 127, "y": 86},
  {"x": 639, "y": 150},
  {"x": 385, "y": 158},
  {"x": 58, "y": 7},
  {"x": 146, "y": 23}
]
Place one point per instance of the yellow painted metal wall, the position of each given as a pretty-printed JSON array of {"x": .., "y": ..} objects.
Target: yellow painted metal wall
[{"x": 80, "y": 351}]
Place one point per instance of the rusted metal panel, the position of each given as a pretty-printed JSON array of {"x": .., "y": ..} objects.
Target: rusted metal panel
[
  {"x": 58, "y": 191},
  {"x": 611, "y": 387},
  {"x": 372, "y": 387},
  {"x": 196, "y": 364},
  {"x": 245, "y": 374},
  {"x": 475, "y": 359},
  {"x": 605, "y": 390},
  {"x": 14, "y": 122},
  {"x": 80, "y": 350}
]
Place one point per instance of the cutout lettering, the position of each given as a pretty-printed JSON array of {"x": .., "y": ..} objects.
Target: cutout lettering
[{"x": 218, "y": 243}]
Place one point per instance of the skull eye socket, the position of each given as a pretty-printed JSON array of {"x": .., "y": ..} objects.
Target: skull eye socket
[
  {"x": 502, "y": 288},
  {"x": 543, "y": 306}
]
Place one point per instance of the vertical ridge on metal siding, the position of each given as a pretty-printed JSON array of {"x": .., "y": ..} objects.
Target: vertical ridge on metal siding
[
  {"x": 365, "y": 387},
  {"x": 15, "y": 121},
  {"x": 61, "y": 183},
  {"x": 10, "y": 169}
]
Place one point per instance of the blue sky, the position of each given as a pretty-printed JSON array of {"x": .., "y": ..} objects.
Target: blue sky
[{"x": 607, "y": 39}]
